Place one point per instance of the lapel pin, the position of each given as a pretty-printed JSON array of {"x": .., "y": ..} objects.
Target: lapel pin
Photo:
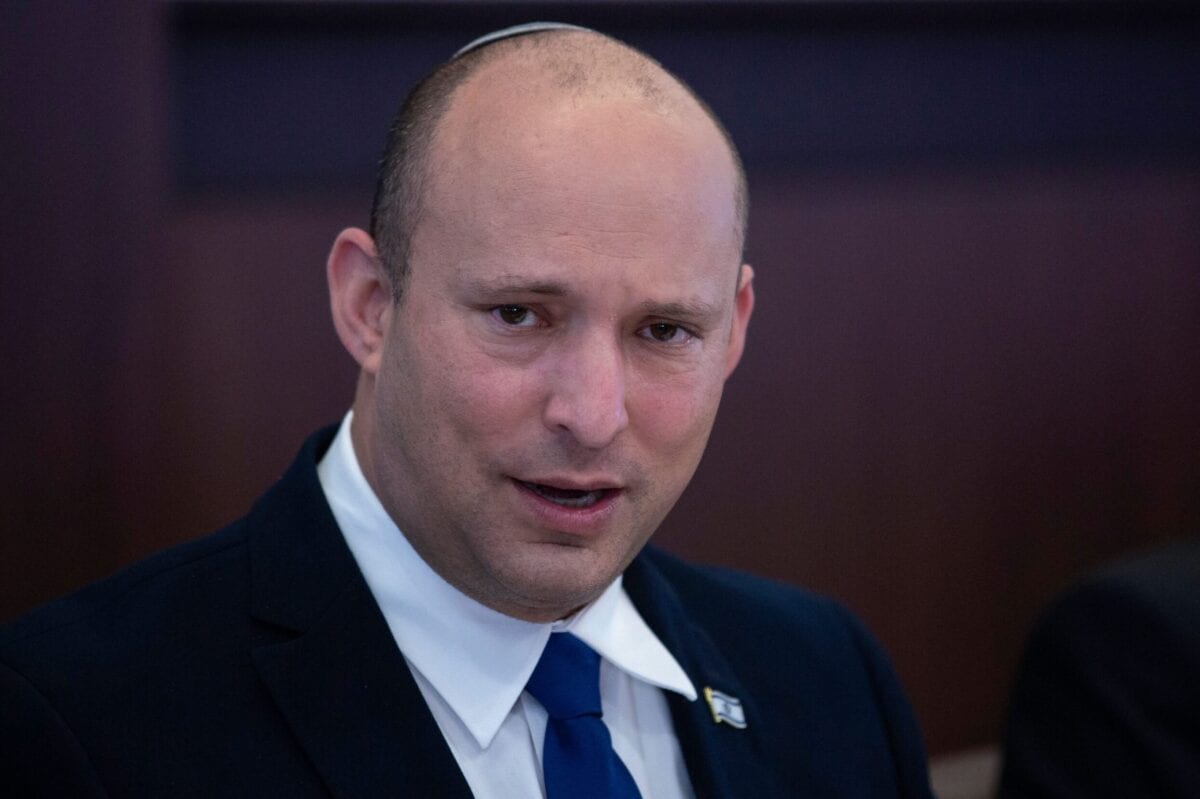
[{"x": 725, "y": 709}]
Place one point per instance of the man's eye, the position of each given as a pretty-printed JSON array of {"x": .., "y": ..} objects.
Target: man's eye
[
  {"x": 515, "y": 315},
  {"x": 667, "y": 333}
]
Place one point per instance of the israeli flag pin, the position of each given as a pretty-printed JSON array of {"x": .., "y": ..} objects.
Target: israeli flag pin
[{"x": 725, "y": 709}]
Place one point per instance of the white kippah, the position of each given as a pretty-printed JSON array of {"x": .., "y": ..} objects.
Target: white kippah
[{"x": 517, "y": 30}]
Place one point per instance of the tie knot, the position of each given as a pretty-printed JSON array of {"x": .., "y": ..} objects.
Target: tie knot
[{"x": 566, "y": 679}]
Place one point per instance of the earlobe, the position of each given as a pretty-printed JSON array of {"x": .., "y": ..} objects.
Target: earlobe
[
  {"x": 360, "y": 296},
  {"x": 743, "y": 307}
]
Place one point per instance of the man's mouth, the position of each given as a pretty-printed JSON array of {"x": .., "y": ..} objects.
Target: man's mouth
[{"x": 567, "y": 497}]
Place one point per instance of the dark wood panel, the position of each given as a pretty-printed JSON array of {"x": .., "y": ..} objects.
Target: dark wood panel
[
  {"x": 82, "y": 177},
  {"x": 255, "y": 364}
]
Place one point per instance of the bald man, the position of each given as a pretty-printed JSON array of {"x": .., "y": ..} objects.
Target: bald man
[{"x": 451, "y": 593}]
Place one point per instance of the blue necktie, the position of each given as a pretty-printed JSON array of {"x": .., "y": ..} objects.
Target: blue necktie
[{"x": 578, "y": 761}]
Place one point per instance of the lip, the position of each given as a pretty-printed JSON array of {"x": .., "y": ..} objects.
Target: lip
[
  {"x": 600, "y": 483},
  {"x": 588, "y": 521}
]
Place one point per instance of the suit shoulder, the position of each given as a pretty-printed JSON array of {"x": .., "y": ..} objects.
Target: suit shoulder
[
  {"x": 720, "y": 597},
  {"x": 810, "y": 661},
  {"x": 128, "y": 591},
  {"x": 810, "y": 633}
]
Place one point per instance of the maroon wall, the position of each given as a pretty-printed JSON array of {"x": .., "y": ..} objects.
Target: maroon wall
[{"x": 967, "y": 380}]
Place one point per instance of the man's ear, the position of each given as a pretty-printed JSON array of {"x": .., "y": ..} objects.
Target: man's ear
[
  {"x": 743, "y": 306},
  {"x": 360, "y": 297}
]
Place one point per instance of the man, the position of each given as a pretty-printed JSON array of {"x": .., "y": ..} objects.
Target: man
[
  {"x": 1107, "y": 701},
  {"x": 544, "y": 312}
]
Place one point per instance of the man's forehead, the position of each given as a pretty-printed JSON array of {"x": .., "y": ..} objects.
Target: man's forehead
[
  {"x": 499, "y": 119},
  {"x": 493, "y": 224}
]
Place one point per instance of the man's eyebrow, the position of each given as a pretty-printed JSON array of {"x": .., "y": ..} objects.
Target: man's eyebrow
[
  {"x": 516, "y": 284},
  {"x": 688, "y": 309}
]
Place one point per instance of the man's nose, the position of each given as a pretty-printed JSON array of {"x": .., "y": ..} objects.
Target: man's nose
[{"x": 588, "y": 392}]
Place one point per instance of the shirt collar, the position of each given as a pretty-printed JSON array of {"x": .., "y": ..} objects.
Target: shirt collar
[{"x": 477, "y": 659}]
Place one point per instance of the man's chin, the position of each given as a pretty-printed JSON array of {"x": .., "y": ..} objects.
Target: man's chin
[{"x": 555, "y": 587}]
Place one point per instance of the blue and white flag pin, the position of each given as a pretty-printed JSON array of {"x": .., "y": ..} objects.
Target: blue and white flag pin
[{"x": 725, "y": 708}]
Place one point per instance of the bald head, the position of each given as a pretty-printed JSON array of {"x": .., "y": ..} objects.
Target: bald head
[{"x": 537, "y": 72}]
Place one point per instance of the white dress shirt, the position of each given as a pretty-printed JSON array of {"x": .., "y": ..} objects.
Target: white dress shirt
[{"x": 471, "y": 663}]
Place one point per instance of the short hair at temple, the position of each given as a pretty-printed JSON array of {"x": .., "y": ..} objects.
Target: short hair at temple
[{"x": 575, "y": 61}]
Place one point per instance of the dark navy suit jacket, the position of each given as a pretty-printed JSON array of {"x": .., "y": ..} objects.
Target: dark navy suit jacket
[{"x": 255, "y": 662}]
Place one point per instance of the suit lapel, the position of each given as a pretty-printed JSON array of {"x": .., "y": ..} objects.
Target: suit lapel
[
  {"x": 341, "y": 683},
  {"x": 723, "y": 762},
  {"x": 353, "y": 705}
]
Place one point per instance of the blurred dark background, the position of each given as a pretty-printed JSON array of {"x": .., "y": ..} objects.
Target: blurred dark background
[{"x": 972, "y": 372}]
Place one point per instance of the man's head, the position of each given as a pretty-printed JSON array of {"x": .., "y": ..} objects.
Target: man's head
[
  {"x": 546, "y": 316},
  {"x": 585, "y": 62}
]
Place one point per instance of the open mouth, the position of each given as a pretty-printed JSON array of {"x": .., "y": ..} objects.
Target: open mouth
[{"x": 567, "y": 497}]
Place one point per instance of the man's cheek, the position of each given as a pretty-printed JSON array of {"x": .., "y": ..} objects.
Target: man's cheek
[
  {"x": 672, "y": 412},
  {"x": 491, "y": 395}
]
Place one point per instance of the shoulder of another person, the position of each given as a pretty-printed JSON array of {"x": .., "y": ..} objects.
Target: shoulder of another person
[
  {"x": 1161, "y": 585},
  {"x": 1168, "y": 575}
]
